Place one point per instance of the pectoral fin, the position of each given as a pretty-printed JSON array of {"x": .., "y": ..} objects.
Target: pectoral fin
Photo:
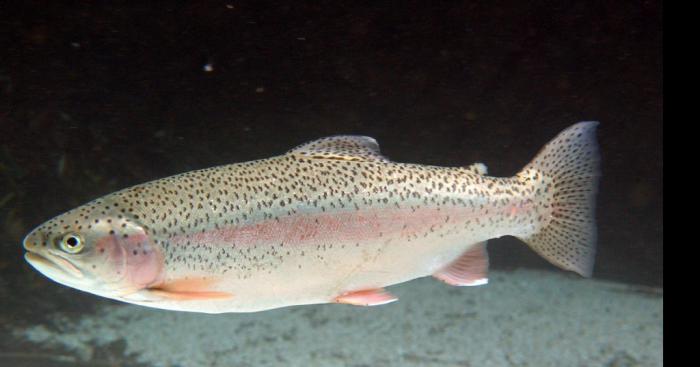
[
  {"x": 187, "y": 296},
  {"x": 183, "y": 290}
]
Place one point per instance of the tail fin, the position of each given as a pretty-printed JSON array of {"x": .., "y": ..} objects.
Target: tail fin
[{"x": 566, "y": 173}]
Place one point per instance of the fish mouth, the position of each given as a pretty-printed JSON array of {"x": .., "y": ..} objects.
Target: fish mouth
[{"x": 53, "y": 266}]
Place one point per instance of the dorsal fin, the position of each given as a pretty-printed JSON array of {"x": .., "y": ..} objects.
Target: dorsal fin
[
  {"x": 345, "y": 147},
  {"x": 478, "y": 168}
]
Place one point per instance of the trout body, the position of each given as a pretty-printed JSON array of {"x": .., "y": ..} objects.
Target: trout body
[{"x": 329, "y": 221}]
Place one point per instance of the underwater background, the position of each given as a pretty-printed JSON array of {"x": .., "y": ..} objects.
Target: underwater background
[{"x": 98, "y": 96}]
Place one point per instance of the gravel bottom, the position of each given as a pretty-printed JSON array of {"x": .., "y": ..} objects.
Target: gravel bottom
[{"x": 521, "y": 318}]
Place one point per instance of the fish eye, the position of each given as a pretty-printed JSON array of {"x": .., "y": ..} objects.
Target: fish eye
[{"x": 71, "y": 243}]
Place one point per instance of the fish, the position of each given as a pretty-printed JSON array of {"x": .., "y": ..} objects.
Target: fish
[{"x": 330, "y": 221}]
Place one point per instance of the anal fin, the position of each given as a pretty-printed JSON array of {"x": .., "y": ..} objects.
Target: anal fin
[
  {"x": 470, "y": 269},
  {"x": 367, "y": 297}
]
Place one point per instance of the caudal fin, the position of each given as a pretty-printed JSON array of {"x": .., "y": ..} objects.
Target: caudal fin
[{"x": 565, "y": 174}]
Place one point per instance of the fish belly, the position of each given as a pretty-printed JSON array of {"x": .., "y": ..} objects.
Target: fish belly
[{"x": 314, "y": 258}]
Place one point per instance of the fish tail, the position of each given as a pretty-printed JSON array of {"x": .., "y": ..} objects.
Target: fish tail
[{"x": 565, "y": 177}]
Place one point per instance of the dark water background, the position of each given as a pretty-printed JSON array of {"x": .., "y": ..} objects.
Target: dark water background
[{"x": 103, "y": 95}]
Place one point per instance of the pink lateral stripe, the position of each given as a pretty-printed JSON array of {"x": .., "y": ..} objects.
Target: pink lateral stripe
[
  {"x": 348, "y": 226},
  {"x": 331, "y": 227}
]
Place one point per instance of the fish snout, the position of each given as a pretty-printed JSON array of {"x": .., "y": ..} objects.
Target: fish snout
[
  {"x": 28, "y": 244},
  {"x": 33, "y": 242}
]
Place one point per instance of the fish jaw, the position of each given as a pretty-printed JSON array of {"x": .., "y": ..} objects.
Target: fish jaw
[
  {"x": 58, "y": 269},
  {"x": 51, "y": 265},
  {"x": 65, "y": 273}
]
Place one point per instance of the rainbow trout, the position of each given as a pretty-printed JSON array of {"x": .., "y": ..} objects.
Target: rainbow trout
[{"x": 331, "y": 221}]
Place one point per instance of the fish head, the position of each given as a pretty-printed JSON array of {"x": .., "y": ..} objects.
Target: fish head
[{"x": 93, "y": 250}]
